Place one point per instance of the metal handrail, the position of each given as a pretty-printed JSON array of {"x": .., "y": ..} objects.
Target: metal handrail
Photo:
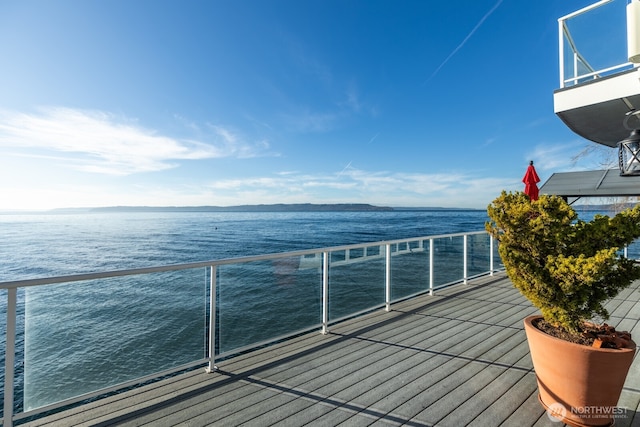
[{"x": 209, "y": 361}]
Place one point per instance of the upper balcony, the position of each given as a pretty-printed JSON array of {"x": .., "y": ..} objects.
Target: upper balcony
[{"x": 599, "y": 87}]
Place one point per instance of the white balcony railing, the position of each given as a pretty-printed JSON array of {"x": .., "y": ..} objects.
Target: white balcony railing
[
  {"x": 117, "y": 329},
  {"x": 593, "y": 42}
]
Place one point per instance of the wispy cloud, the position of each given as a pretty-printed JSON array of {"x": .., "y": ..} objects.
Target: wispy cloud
[
  {"x": 308, "y": 121},
  {"x": 356, "y": 185},
  {"x": 100, "y": 142},
  {"x": 230, "y": 144},
  {"x": 349, "y": 185},
  {"x": 354, "y": 102},
  {"x": 465, "y": 40},
  {"x": 559, "y": 156}
]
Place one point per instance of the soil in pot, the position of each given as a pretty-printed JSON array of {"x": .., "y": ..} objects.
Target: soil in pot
[{"x": 600, "y": 336}]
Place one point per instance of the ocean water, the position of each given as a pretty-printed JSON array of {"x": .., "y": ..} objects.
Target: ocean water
[
  {"x": 43, "y": 245},
  {"x": 57, "y": 244},
  {"x": 84, "y": 334}
]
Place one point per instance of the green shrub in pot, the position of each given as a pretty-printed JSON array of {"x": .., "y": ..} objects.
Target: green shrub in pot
[{"x": 568, "y": 268}]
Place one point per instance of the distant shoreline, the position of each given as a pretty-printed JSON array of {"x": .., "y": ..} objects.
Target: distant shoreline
[{"x": 279, "y": 207}]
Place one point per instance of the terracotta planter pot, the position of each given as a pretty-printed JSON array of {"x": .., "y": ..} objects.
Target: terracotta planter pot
[{"x": 586, "y": 381}]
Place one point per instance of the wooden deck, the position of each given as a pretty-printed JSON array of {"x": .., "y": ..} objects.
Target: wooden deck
[{"x": 457, "y": 358}]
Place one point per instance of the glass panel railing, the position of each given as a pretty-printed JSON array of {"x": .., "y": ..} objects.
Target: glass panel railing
[
  {"x": 86, "y": 336},
  {"x": 356, "y": 281},
  {"x": 633, "y": 251},
  {"x": 497, "y": 261},
  {"x": 593, "y": 43},
  {"x": 409, "y": 269},
  {"x": 3, "y": 340},
  {"x": 263, "y": 300},
  {"x": 448, "y": 261},
  {"x": 478, "y": 254},
  {"x": 18, "y": 365},
  {"x": 94, "y": 332}
]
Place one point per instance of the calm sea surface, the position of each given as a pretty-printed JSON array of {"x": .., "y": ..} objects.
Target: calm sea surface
[
  {"x": 45, "y": 245},
  {"x": 63, "y": 244}
]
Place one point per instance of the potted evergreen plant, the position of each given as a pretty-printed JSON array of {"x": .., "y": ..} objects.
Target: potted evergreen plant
[{"x": 568, "y": 268}]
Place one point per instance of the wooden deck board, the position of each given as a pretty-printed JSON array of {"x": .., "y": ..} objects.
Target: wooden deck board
[
  {"x": 508, "y": 402},
  {"x": 459, "y": 357},
  {"x": 433, "y": 386},
  {"x": 463, "y": 403}
]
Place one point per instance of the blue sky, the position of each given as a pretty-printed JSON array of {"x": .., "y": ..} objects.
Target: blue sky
[{"x": 167, "y": 103}]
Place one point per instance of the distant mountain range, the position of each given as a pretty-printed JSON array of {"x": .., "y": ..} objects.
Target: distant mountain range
[{"x": 279, "y": 207}]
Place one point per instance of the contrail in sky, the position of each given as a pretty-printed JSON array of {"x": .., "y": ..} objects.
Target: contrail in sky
[
  {"x": 349, "y": 164},
  {"x": 495, "y": 6},
  {"x": 345, "y": 168}
]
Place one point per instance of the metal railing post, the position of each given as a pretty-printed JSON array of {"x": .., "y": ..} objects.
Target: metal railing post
[
  {"x": 387, "y": 278},
  {"x": 325, "y": 292},
  {"x": 430, "y": 266},
  {"x": 491, "y": 262},
  {"x": 212, "y": 321},
  {"x": 10, "y": 354},
  {"x": 465, "y": 253},
  {"x": 561, "y": 50}
]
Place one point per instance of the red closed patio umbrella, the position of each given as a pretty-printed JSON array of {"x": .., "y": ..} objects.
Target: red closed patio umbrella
[{"x": 530, "y": 182}]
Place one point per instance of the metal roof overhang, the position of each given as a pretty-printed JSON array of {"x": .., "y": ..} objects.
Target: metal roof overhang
[{"x": 598, "y": 183}]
